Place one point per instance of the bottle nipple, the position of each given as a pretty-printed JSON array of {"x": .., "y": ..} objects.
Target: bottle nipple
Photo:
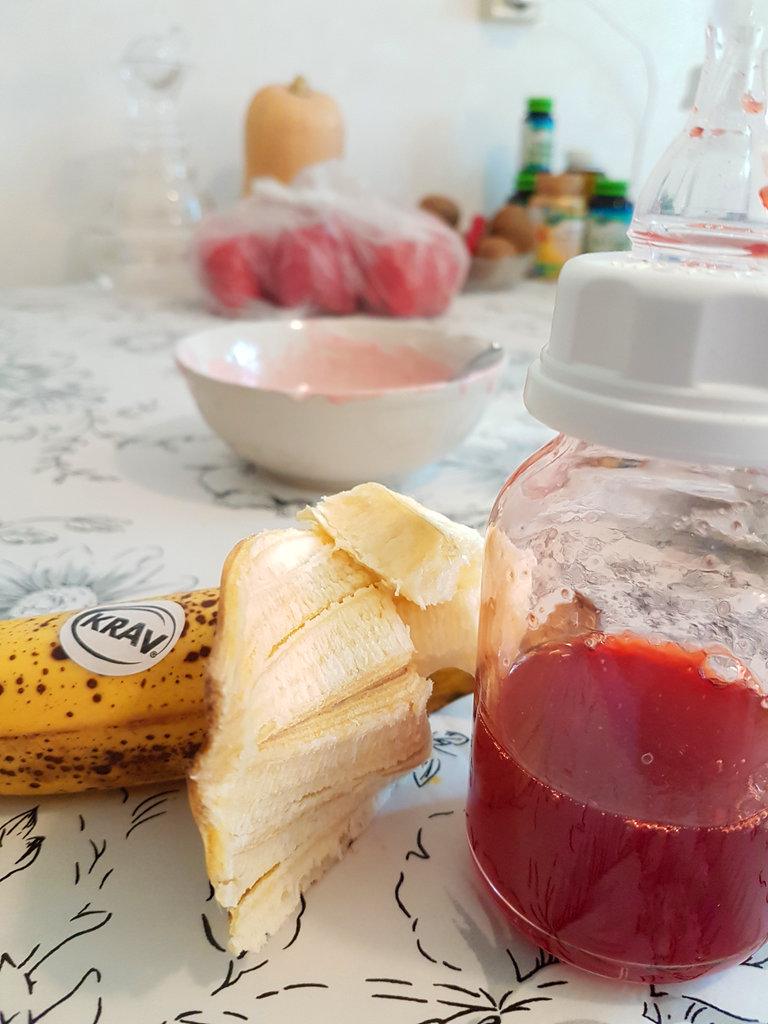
[{"x": 706, "y": 201}]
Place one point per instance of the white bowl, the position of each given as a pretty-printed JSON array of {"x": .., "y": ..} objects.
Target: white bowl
[{"x": 339, "y": 401}]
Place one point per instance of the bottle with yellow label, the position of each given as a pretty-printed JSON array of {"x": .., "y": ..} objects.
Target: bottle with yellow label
[{"x": 558, "y": 213}]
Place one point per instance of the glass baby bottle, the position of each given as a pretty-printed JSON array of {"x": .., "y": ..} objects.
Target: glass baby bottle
[{"x": 618, "y": 798}]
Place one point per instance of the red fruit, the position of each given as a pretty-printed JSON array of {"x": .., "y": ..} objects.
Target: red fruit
[
  {"x": 227, "y": 271},
  {"x": 313, "y": 267},
  {"x": 475, "y": 233},
  {"x": 414, "y": 277}
]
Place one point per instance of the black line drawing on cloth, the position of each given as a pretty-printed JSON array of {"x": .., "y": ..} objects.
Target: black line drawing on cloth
[
  {"x": 29, "y": 989},
  {"x": 150, "y": 807},
  {"x": 30, "y": 993},
  {"x": 443, "y": 741},
  {"x": 19, "y": 848},
  {"x": 661, "y": 1006},
  {"x": 215, "y": 928},
  {"x": 474, "y": 1005},
  {"x": 47, "y": 529},
  {"x": 35, "y": 388},
  {"x": 218, "y": 472},
  {"x": 235, "y": 483},
  {"x": 72, "y": 578},
  {"x": 457, "y": 937},
  {"x": 62, "y": 444}
]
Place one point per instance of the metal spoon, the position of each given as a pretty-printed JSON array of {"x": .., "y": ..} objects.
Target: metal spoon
[{"x": 479, "y": 361}]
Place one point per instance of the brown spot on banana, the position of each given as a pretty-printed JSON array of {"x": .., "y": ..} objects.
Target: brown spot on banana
[{"x": 65, "y": 728}]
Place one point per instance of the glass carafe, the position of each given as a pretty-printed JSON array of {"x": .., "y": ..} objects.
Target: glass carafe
[{"x": 141, "y": 247}]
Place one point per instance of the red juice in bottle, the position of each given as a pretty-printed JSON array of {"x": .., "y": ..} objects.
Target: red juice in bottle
[{"x": 618, "y": 805}]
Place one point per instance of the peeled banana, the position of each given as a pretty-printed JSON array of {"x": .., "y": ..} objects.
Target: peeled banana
[
  {"x": 115, "y": 696},
  {"x": 318, "y": 705}
]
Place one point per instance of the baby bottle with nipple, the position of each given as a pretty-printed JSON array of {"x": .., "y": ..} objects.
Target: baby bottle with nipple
[{"x": 618, "y": 798}]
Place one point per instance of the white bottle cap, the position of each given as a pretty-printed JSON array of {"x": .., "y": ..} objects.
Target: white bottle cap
[
  {"x": 658, "y": 358},
  {"x": 579, "y": 160}
]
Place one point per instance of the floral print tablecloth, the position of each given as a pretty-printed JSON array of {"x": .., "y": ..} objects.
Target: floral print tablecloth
[{"x": 113, "y": 489}]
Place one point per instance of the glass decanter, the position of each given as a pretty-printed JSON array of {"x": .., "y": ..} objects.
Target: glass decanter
[{"x": 142, "y": 246}]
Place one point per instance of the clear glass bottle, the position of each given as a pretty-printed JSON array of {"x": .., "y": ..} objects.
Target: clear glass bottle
[
  {"x": 618, "y": 799},
  {"x": 141, "y": 247}
]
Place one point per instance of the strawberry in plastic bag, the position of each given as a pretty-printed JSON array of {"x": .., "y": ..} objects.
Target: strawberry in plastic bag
[
  {"x": 314, "y": 268},
  {"x": 324, "y": 245},
  {"x": 412, "y": 278},
  {"x": 227, "y": 271}
]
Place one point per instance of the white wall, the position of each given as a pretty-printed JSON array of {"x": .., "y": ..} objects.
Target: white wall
[{"x": 433, "y": 96}]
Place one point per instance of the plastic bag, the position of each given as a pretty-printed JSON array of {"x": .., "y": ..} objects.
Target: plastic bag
[{"x": 324, "y": 245}]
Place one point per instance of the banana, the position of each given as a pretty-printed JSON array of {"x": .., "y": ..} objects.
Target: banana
[
  {"x": 419, "y": 552},
  {"x": 65, "y": 728},
  {"x": 106, "y": 697},
  {"x": 319, "y": 704}
]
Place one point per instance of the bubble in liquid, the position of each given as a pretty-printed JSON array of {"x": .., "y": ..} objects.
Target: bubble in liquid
[
  {"x": 647, "y": 758},
  {"x": 758, "y": 782},
  {"x": 747, "y": 806},
  {"x": 723, "y": 669}
]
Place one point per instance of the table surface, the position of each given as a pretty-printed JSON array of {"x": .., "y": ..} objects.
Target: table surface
[{"x": 116, "y": 489}]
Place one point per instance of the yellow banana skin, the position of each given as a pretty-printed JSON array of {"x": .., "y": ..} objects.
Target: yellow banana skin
[{"x": 64, "y": 729}]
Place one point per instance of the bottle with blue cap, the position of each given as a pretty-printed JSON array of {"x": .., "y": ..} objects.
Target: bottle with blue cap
[{"x": 618, "y": 801}]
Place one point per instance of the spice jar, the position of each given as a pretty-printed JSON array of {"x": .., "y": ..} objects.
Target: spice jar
[
  {"x": 525, "y": 189},
  {"x": 558, "y": 213},
  {"x": 538, "y": 135},
  {"x": 618, "y": 799},
  {"x": 579, "y": 161},
  {"x": 609, "y": 214}
]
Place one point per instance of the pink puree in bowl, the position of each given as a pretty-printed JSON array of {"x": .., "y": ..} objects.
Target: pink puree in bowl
[{"x": 336, "y": 366}]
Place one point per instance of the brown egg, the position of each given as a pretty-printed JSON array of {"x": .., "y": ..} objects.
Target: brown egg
[
  {"x": 442, "y": 207},
  {"x": 514, "y": 224},
  {"x": 494, "y": 247}
]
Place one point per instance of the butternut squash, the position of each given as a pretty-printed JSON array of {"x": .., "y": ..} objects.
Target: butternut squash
[{"x": 288, "y": 128}]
